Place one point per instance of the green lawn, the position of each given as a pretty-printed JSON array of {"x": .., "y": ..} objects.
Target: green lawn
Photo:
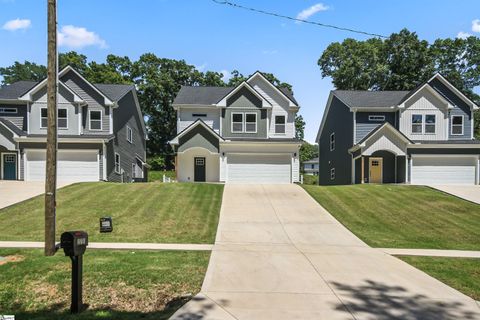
[
  {"x": 310, "y": 179},
  {"x": 117, "y": 284},
  {"x": 394, "y": 216},
  {"x": 141, "y": 212},
  {"x": 460, "y": 273},
  {"x": 158, "y": 175}
]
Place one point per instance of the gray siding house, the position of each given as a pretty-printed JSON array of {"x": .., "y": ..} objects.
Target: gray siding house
[
  {"x": 244, "y": 134},
  {"x": 310, "y": 167},
  {"x": 424, "y": 136},
  {"x": 101, "y": 131}
]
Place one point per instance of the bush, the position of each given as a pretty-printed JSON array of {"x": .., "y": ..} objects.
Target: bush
[{"x": 156, "y": 163}]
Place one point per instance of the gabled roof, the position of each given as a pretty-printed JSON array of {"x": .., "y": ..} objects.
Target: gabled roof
[
  {"x": 12, "y": 127},
  {"x": 370, "y": 99},
  {"x": 455, "y": 90},
  {"x": 244, "y": 84},
  {"x": 198, "y": 122},
  {"x": 388, "y": 126},
  {"x": 16, "y": 89},
  {"x": 314, "y": 160},
  {"x": 293, "y": 102},
  {"x": 115, "y": 91}
]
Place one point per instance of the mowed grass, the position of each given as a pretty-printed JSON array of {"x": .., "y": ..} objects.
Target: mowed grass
[
  {"x": 158, "y": 175},
  {"x": 116, "y": 284},
  {"x": 141, "y": 212},
  {"x": 395, "y": 216},
  {"x": 462, "y": 274}
]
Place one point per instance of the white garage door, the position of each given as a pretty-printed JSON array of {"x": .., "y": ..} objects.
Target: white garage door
[
  {"x": 254, "y": 168},
  {"x": 73, "y": 166},
  {"x": 443, "y": 170}
]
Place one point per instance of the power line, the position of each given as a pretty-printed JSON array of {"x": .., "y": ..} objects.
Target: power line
[{"x": 235, "y": 5}]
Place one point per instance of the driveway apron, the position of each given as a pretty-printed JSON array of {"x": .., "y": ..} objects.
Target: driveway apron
[{"x": 279, "y": 255}]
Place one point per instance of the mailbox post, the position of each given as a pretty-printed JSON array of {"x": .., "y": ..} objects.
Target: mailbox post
[{"x": 74, "y": 244}]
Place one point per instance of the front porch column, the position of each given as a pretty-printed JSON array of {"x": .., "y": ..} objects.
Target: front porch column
[{"x": 363, "y": 170}]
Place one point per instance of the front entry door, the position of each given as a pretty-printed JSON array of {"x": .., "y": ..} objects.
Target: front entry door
[
  {"x": 199, "y": 171},
  {"x": 9, "y": 166},
  {"x": 376, "y": 170}
]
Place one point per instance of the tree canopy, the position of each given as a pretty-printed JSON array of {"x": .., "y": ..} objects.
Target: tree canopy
[
  {"x": 401, "y": 62},
  {"x": 157, "y": 80}
]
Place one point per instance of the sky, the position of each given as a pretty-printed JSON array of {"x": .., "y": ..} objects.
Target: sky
[{"x": 221, "y": 38}]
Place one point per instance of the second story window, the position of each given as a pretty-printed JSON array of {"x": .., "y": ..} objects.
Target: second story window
[
  {"x": 332, "y": 141},
  {"x": 237, "y": 122},
  {"x": 430, "y": 121},
  {"x": 417, "y": 123},
  {"x": 376, "y": 118},
  {"x": 251, "y": 122},
  {"x": 129, "y": 134},
  {"x": 62, "y": 118},
  {"x": 279, "y": 124},
  {"x": 95, "y": 120},
  {"x": 457, "y": 125}
]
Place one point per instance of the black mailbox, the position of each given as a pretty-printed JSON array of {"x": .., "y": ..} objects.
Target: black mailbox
[
  {"x": 74, "y": 243},
  {"x": 106, "y": 224}
]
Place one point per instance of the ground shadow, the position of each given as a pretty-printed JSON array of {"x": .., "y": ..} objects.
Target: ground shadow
[{"x": 375, "y": 300}]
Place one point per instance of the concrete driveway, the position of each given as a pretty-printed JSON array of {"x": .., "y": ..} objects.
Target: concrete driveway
[
  {"x": 470, "y": 193},
  {"x": 12, "y": 192},
  {"x": 280, "y": 255}
]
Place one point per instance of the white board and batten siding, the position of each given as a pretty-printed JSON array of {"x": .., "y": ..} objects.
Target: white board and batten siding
[
  {"x": 280, "y": 107},
  {"x": 261, "y": 169},
  {"x": 73, "y": 165},
  {"x": 454, "y": 170},
  {"x": 385, "y": 140},
  {"x": 424, "y": 102}
]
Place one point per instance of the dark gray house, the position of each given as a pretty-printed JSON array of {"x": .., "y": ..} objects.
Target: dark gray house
[
  {"x": 424, "y": 136},
  {"x": 101, "y": 131}
]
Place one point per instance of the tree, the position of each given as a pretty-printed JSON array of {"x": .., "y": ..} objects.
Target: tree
[
  {"x": 401, "y": 62},
  {"x": 308, "y": 151},
  {"x": 299, "y": 127},
  {"x": 23, "y": 71}
]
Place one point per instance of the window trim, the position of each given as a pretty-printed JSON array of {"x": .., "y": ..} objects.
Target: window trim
[
  {"x": 90, "y": 120},
  {"x": 231, "y": 122},
  {"x": 284, "y": 124},
  {"x": 434, "y": 124},
  {"x": 421, "y": 124},
  {"x": 457, "y": 125},
  {"x": 199, "y": 115},
  {"x": 58, "y": 126},
  {"x": 129, "y": 134},
  {"x": 376, "y": 118},
  {"x": 4, "y": 110},
  {"x": 332, "y": 142},
  {"x": 245, "y": 121},
  {"x": 119, "y": 169},
  {"x": 332, "y": 174}
]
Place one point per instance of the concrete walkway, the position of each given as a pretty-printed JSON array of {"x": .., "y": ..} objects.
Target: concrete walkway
[
  {"x": 117, "y": 246},
  {"x": 432, "y": 253},
  {"x": 12, "y": 192},
  {"x": 279, "y": 255},
  {"x": 470, "y": 193}
]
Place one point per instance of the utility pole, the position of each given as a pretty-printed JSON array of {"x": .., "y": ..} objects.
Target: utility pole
[{"x": 51, "y": 171}]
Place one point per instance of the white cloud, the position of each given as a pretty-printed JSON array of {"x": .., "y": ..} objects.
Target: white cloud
[
  {"x": 79, "y": 37},
  {"x": 226, "y": 75},
  {"x": 307, "y": 13},
  {"x": 463, "y": 35},
  {"x": 17, "y": 24},
  {"x": 476, "y": 25}
]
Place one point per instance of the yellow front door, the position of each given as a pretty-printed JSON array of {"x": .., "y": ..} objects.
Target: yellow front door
[{"x": 376, "y": 168}]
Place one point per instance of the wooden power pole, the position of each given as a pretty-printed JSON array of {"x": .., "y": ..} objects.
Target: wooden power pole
[{"x": 51, "y": 172}]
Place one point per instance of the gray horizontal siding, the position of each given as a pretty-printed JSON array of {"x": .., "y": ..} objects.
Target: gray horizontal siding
[{"x": 365, "y": 126}]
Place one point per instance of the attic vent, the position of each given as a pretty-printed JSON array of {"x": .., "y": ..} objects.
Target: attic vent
[
  {"x": 198, "y": 115},
  {"x": 376, "y": 118},
  {"x": 8, "y": 110}
]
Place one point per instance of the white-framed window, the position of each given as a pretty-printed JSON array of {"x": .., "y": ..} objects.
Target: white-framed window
[
  {"x": 250, "y": 122},
  {"x": 9, "y": 110},
  {"x": 129, "y": 134},
  {"x": 134, "y": 168},
  {"x": 117, "y": 163},
  {"x": 417, "y": 124},
  {"x": 332, "y": 174},
  {"x": 430, "y": 123},
  {"x": 332, "y": 141},
  {"x": 376, "y": 118},
  {"x": 95, "y": 123},
  {"x": 199, "y": 115},
  {"x": 279, "y": 124},
  {"x": 62, "y": 118},
  {"x": 237, "y": 122},
  {"x": 457, "y": 125}
]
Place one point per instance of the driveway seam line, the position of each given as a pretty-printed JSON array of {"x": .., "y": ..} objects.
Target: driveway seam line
[{"x": 220, "y": 306}]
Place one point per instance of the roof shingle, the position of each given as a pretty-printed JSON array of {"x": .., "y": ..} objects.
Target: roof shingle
[{"x": 370, "y": 99}]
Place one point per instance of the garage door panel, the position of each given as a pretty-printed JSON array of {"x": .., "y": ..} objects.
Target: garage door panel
[
  {"x": 259, "y": 169},
  {"x": 443, "y": 170},
  {"x": 72, "y": 166}
]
